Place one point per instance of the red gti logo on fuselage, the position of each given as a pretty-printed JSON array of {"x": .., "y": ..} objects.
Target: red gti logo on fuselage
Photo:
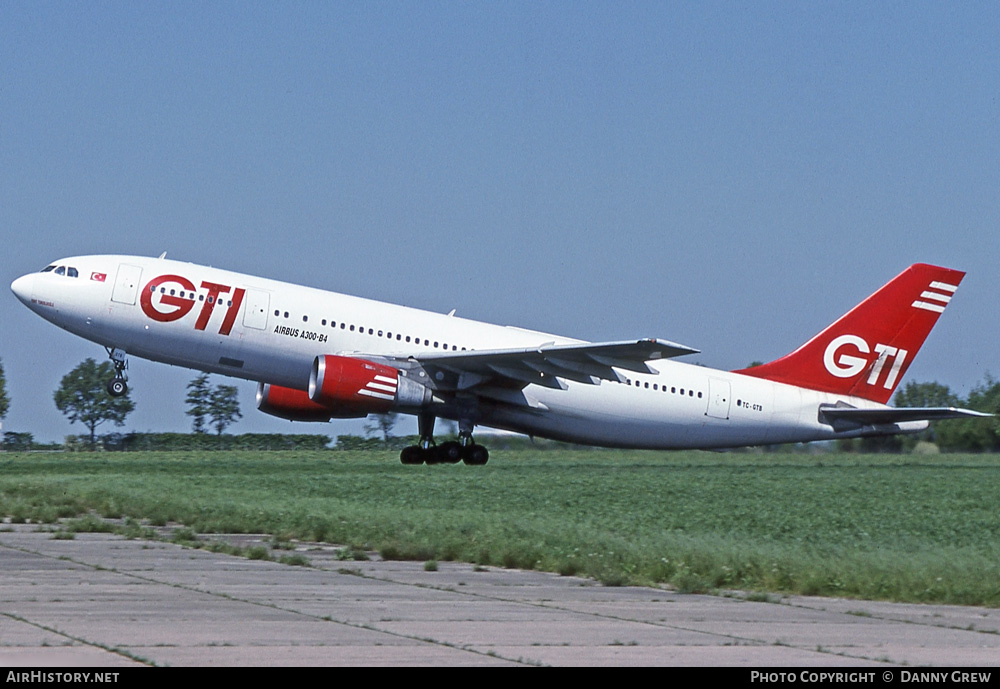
[{"x": 163, "y": 302}]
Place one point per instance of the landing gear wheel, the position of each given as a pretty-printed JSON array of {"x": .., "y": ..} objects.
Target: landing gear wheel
[
  {"x": 117, "y": 387},
  {"x": 411, "y": 455},
  {"x": 449, "y": 453},
  {"x": 475, "y": 455}
]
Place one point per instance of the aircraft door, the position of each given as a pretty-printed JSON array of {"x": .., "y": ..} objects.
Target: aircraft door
[
  {"x": 718, "y": 398},
  {"x": 126, "y": 284},
  {"x": 257, "y": 304}
]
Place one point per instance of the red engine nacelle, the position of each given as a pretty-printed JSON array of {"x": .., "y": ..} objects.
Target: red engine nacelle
[
  {"x": 355, "y": 387},
  {"x": 287, "y": 403}
]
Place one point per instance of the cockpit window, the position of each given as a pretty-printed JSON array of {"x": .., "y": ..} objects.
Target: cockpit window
[{"x": 68, "y": 271}]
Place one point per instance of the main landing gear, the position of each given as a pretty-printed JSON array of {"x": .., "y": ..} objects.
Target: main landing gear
[
  {"x": 452, "y": 452},
  {"x": 118, "y": 385}
]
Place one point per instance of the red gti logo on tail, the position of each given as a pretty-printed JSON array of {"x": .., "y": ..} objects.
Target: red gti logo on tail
[{"x": 845, "y": 365}]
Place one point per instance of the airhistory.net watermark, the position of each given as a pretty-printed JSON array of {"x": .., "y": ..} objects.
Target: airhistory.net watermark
[{"x": 61, "y": 677}]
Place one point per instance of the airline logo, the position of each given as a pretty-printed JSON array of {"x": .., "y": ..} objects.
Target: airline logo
[
  {"x": 842, "y": 359},
  {"x": 381, "y": 387},
  {"x": 168, "y": 298},
  {"x": 936, "y": 297}
]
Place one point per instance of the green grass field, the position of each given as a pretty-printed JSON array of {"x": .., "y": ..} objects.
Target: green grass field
[{"x": 907, "y": 528}]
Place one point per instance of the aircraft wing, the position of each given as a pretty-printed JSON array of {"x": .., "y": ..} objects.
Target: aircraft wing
[
  {"x": 897, "y": 414},
  {"x": 547, "y": 365}
]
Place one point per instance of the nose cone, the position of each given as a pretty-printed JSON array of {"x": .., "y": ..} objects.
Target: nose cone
[{"x": 24, "y": 287}]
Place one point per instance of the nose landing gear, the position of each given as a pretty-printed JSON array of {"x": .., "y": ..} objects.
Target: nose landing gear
[{"x": 118, "y": 385}]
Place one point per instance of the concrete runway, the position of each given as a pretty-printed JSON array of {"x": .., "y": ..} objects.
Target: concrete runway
[{"x": 102, "y": 600}]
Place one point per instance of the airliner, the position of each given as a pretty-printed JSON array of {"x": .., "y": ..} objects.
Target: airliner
[{"x": 318, "y": 355}]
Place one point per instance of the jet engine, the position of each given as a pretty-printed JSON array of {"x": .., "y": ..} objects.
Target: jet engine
[
  {"x": 349, "y": 387},
  {"x": 291, "y": 404}
]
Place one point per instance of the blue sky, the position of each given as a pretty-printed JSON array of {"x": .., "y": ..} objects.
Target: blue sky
[{"x": 731, "y": 176}]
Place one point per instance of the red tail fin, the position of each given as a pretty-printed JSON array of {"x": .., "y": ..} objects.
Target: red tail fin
[{"x": 868, "y": 350}]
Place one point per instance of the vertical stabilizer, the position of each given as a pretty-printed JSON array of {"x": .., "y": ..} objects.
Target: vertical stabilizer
[{"x": 866, "y": 352}]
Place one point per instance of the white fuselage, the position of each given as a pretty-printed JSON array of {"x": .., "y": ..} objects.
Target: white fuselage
[{"x": 268, "y": 331}]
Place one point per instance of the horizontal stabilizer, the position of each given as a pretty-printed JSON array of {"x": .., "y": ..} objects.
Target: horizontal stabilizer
[{"x": 897, "y": 414}]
